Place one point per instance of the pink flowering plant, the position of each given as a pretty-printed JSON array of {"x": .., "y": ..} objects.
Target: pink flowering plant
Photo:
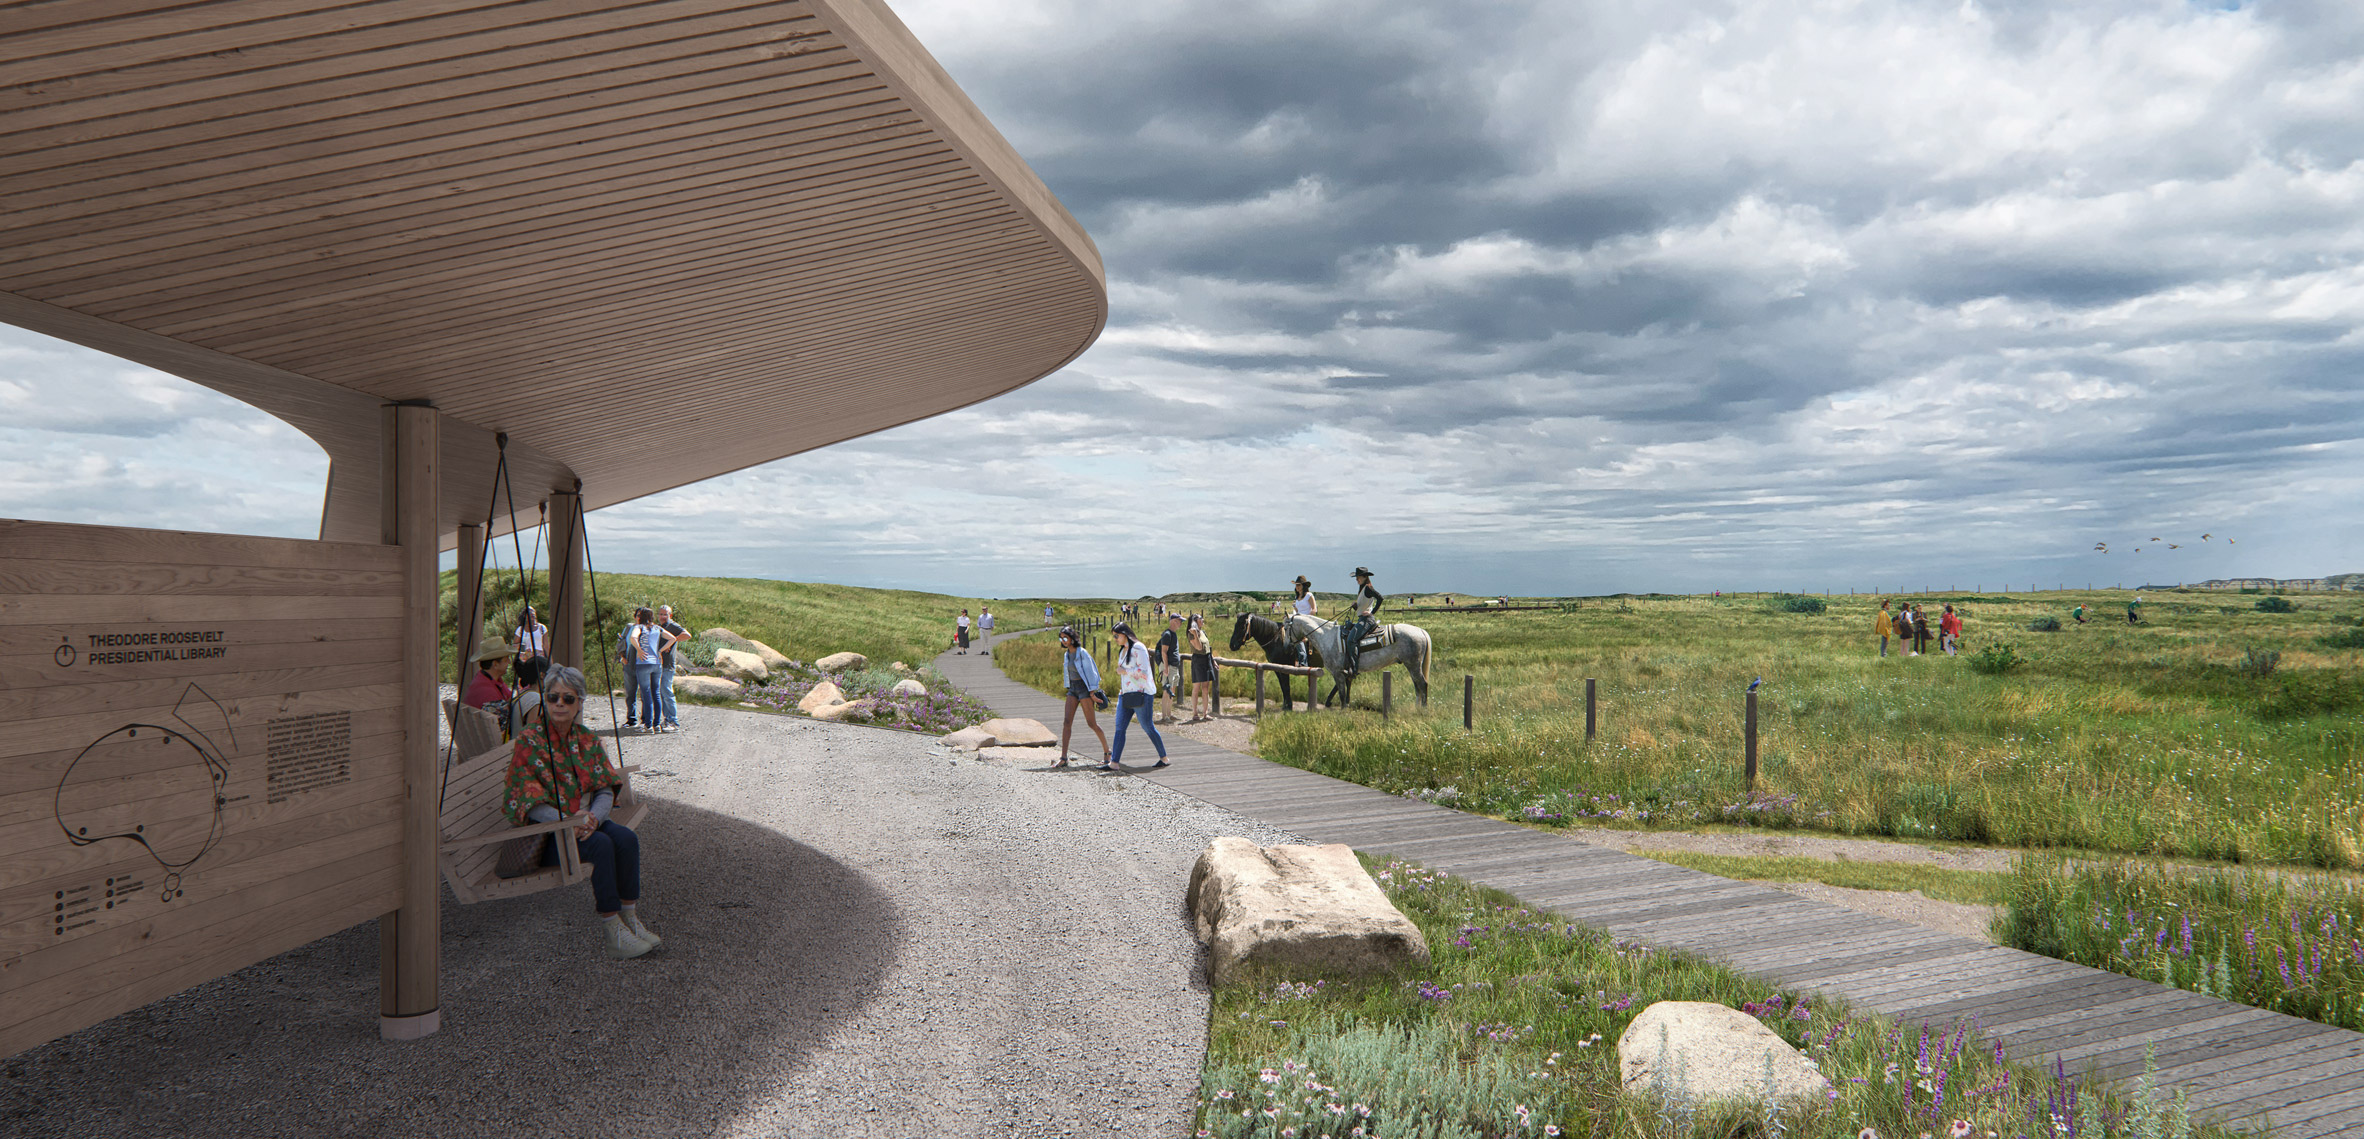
[{"x": 1512, "y": 1031}]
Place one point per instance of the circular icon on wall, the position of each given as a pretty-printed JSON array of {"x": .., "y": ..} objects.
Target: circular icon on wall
[{"x": 65, "y": 655}]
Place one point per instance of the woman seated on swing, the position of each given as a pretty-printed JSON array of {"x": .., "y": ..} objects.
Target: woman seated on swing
[{"x": 560, "y": 769}]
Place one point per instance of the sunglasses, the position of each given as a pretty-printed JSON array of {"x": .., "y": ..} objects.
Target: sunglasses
[{"x": 565, "y": 699}]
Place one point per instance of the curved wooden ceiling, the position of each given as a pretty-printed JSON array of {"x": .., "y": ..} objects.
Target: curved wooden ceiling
[{"x": 652, "y": 241}]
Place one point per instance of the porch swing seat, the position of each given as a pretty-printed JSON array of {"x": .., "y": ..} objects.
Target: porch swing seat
[{"x": 475, "y": 827}]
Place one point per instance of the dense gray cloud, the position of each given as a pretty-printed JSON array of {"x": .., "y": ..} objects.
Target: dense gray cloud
[{"x": 1560, "y": 297}]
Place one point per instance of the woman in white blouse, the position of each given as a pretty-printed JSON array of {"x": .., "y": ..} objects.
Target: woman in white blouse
[{"x": 1138, "y": 691}]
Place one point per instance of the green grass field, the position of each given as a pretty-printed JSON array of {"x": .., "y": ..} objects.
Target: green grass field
[
  {"x": 2186, "y": 735},
  {"x": 804, "y": 621}
]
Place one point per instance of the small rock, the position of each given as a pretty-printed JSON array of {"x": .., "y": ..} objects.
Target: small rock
[
  {"x": 1016, "y": 732},
  {"x": 1711, "y": 1052},
  {"x": 909, "y": 688},
  {"x": 840, "y": 711},
  {"x": 969, "y": 739},
  {"x": 772, "y": 658},
  {"x": 1308, "y": 907},
  {"x": 899, "y": 666},
  {"x": 839, "y": 662},
  {"x": 705, "y": 686},
  {"x": 740, "y": 665},
  {"x": 825, "y": 694}
]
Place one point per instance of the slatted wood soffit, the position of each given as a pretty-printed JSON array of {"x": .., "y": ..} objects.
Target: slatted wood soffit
[{"x": 652, "y": 241}]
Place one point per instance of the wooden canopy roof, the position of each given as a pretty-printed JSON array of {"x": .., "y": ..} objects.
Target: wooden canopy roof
[{"x": 652, "y": 240}]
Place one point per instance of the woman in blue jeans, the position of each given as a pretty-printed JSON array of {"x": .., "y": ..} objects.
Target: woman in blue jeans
[
  {"x": 644, "y": 642},
  {"x": 559, "y": 769},
  {"x": 1137, "y": 698}
]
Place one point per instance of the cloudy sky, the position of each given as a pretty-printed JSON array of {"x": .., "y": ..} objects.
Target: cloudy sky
[{"x": 1561, "y": 297}]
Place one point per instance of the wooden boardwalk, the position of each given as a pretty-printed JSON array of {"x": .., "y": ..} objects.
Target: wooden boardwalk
[{"x": 2242, "y": 1064}]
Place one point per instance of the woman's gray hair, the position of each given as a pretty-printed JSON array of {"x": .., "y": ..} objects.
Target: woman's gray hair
[{"x": 564, "y": 676}]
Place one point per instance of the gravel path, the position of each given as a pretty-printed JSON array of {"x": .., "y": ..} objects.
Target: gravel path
[{"x": 866, "y": 935}]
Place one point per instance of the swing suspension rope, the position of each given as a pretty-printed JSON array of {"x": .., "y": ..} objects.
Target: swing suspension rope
[
  {"x": 474, "y": 619},
  {"x": 607, "y": 660}
]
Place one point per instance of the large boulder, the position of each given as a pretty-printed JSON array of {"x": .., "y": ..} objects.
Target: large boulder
[
  {"x": 908, "y": 687},
  {"x": 823, "y": 695},
  {"x": 727, "y": 639},
  {"x": 839, "y": 662},
  {"x": 1016, "y": 732},
  {"x": 1296, "y": 907},
  {"x": 1700, "y": 1052},
  {"x": 705, "y": 686},
  {"x": 841, "y": 711},
  {"x": 740, "y": 665},
  {"x": 772, "y": 658},
  {"x": 969, "y": 739}
]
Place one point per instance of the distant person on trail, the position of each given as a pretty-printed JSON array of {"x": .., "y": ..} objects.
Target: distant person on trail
[
  {"x": 1083, "y": 688},
  {"x": 533, "y": 637},
  {"x": 1949, "y": 631},
  {"x": 1884, "y": 625},
  {"x": 985, "y": 622},
  {"x": 1366, "y": 618},
  {"x": 1137, "y": 692},
  {"x": 960, "y": 633},
  {"x": 675, "y": 633},
  {"x": 1047, "y": 617},
  {"x": 1167, "y": 656},
  {"x": 2078, "y": 613},
  {"x": 2134, "y": 610}
]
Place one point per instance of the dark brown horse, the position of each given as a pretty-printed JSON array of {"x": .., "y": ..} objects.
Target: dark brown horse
[{"x": 1267, "y": 636}]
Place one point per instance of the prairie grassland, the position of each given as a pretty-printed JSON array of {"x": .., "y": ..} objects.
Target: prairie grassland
[
  {"x": 2184, "y": 736},
  {"x": 2285, "y": 941},
  {"x": 1512, "y": 1030},
  {"x": 804, "y": 621}
]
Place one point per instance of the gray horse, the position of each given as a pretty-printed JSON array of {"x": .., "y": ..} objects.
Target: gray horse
[{"x": 1410, "y": 648}]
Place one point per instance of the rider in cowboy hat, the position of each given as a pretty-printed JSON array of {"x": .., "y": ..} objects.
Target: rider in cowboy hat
[{"x": 1366, "y": 612}]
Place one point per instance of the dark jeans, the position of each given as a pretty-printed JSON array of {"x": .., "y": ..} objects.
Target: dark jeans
[
  {"x": 614, "y": 854},
  {"x": 1128, "y": 706}
]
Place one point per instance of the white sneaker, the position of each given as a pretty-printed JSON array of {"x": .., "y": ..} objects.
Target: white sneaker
[
  {"x": 622, "y": 943},
  {"x": 644, "y": 933}
]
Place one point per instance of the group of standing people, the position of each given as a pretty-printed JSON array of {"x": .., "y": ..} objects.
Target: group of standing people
[
  {"x": 1911, "y": 629},
  {"x": 984, "y": 627},
  {"x": 1169, "y": 657},
  {"x": 646, "y": 649}
]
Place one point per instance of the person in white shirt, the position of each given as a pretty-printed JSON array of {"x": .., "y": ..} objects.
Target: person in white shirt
[
  {"x": 532, "y": 637},
  {"x": 1138, "y": 688},
  {"x": 985, "y": 622},
  {"x": 1304, "y": 601},
  {"x": 961, "y": 636}
]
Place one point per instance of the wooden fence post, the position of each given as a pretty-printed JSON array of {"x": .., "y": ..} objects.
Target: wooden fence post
[
  {"x": 1591, "y": 706},
  {"x": 1751, "y": 760},
  {"x": 1468, "y": 700},
  {"x": 1259, "y": 694},
  {"x": 1386, "y": 695}
]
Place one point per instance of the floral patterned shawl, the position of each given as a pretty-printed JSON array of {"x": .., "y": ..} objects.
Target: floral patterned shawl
[{"x": 564, "y": 774}]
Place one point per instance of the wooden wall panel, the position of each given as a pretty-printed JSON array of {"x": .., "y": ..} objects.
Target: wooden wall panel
[{"x": 204, "y": 761}]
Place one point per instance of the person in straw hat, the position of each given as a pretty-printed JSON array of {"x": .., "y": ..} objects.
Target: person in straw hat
[{"x": 486, "y": 689}]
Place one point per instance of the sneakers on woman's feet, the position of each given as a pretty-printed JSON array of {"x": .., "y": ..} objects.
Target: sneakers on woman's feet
[
  {"x": 644, "y": 933},
  {"x": 622, "y": 943}
]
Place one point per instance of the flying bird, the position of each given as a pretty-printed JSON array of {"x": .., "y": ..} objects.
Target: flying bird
[
  {"x": 2173, "y": 546},
  {"x": 2158, "y": 539},
  {"x": 2205, "y": 537},
  {"x": 2104, "y": 547},
  {"x": 2231, "y": 542}
]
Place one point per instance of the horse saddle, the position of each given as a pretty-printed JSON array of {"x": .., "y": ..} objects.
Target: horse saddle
[{"x": 1379, "y": 638}]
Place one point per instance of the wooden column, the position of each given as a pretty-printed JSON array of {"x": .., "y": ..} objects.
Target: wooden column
[
  {"x": 566, "y": 581},
  {"x": 470, "y": 607},
  {"x": 410, "y": 938}
]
